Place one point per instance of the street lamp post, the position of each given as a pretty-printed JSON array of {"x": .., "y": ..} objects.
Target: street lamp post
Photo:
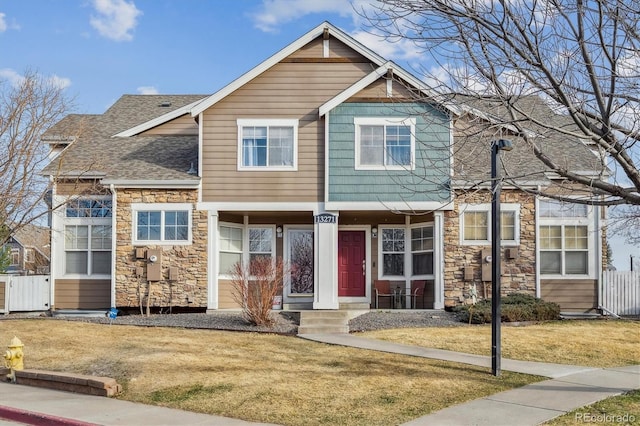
[{"x": 496, "y": 184}]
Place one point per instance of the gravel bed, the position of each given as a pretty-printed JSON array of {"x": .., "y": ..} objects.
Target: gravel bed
[{"x": 285, "y": 322}]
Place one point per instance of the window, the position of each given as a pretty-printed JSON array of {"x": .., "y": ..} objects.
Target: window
[
  {"x": 15, "y": 257},
  {"x": 29, "y": 255},
  {"x": 422, "y": 250},
  {"x": 162, "y": 224},
  {"x": 563, "y": 233},
  {"x": 82, "y": 207},
  {"x": 230, "y": 248},
  {"x": 300, "y": 258},
  {"x": 267, "y": 144},
  {"x": 384, "y": 143},
  {"x": 564, "y": 249},
  {"x": 87, "y": 249},
  {"x": 475, "y": 224},
  {"x": 233, "y": 248},
  {"x": 393, "y": 252}
]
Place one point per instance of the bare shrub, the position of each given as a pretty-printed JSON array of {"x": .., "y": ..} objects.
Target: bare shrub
[{"x": 255, "y": 285}]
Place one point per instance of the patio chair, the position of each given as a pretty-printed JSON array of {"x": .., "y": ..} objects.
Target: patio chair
[
  {"x": 383, "y": 289},
  {"x": 417, "y": 292}
]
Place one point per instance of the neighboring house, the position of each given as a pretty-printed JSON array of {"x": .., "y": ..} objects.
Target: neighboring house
[
  {"x": 29, "y": 250},
  {"x": 326, "y": 155}
]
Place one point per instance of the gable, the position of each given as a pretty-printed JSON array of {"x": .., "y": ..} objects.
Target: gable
[{"x": 184, "y": 125}]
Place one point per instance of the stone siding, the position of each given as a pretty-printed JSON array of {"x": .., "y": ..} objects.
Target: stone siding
[
  {"x": 518, "y": 275},
  {"x": 190, "y": 289}
]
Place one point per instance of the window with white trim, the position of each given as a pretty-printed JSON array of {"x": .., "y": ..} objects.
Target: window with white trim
[
  {"x": 15, "y": 257},
  {"x": 163, "y": 223},
  {"x": 87, "y": 230},
  {"x": 475, "y": 224},
  {"x": 393, "y": 250},
  {"x": 385, "y": 143},
  {"x": 267, "y": 144},
  {"x": 87, "y": 249},
  {"x": 563, "y": 233},
  {"x": 260, "y": 243},
  {"x": 422, "y": 250}
]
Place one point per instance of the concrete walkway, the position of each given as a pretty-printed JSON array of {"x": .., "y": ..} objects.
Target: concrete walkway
[{"x": 571, "y": 387}]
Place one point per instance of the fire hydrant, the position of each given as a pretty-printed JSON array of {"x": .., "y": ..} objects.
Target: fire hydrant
[{"x": 14, "y": 356}]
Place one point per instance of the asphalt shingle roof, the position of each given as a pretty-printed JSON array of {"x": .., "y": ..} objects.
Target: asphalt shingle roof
[{"x": 96, "y": 152}]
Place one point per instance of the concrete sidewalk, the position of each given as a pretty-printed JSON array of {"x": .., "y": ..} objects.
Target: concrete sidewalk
[
  {"x": 38, "y": 406},
  {"x": 571, "y": 386}
]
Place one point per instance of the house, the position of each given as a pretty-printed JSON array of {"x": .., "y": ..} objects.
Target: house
[
  {"x": 28, "y": 250},
  {"x": 324, "y": 151}
]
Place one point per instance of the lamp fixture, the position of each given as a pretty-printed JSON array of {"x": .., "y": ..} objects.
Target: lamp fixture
[
  {"x": 279, "y": 231},
  {"x": 374, "y": 232}
]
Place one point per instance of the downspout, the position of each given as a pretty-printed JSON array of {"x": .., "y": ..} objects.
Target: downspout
[
  {"x": 537, "y": 241},
  {"x": 114, "y": 241},
  {"x": 599, "y": 248}
]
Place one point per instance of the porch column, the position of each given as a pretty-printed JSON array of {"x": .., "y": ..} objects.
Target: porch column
[
  {"x": 325, "y": 295},
  {"x": 212, "y": 262},
  {"x": 438, "y": 259}
]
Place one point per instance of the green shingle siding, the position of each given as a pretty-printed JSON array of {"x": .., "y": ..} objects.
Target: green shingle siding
[{"x": 428, "y": 182}]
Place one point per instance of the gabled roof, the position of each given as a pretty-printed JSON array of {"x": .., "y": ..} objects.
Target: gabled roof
[
  {"x": 35, "y": 237},
  {"x": 158, "y": 120},
  {"x": 279, "y": 56}
]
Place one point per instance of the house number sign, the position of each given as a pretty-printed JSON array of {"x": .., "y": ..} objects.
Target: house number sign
[{"x": 325, "y": 218}]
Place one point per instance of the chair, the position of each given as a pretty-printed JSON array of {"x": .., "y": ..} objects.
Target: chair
[
  {"x": 383, "y": 289},
  {"x": 417, "y": 292}
]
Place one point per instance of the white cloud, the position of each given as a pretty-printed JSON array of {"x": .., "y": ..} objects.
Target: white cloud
[
  {"x": 277, "y": 12},
  {"x": 116, "y": 19},
  {"x": 16, "y": 79},
  {"x": 3, "y": 23},
  {"x": 147, "y": 90}
]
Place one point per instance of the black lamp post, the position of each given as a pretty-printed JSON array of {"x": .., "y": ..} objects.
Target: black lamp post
[{"x": 496, "y": 184}]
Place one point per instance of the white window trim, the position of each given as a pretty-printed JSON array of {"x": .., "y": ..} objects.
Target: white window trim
[
  {"x": 433, "y": 251},
  {"x": 486, "y": 207},
  {"x": 60, "y": 262},
  {"x": 287, "y": 259},
  {"x": 246, "y": 254},
  {"x": 385, "y": 121},
  {"x": 587, "y": 221},
  {"x": 381, "y": 254},
  {"x": 268, "y": 122},
  {"x": 161, "y": 207}
]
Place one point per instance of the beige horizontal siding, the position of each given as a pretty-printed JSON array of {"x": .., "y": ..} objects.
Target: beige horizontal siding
[
  {"x": 286, "y": 90},
  {"x": 225, "y": 296},
  {"x": 3, "y": 286},
  {"x": 82, "y": 294},
  {"x": 182, "y": 126},
  {"x": 78, "y": 186},
  {"x": 571, "y": 295}
]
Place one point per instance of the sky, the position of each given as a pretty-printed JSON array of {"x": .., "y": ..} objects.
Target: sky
[{"x": 99, "y": 50}]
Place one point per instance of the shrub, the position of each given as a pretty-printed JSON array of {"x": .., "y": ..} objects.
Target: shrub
[
  {"x": 513, "y": 307},
  {"x": 254, "y": 286}
]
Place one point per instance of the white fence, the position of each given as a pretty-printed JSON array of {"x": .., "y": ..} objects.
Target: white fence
[
  {"x": 621, "y": 292},
  {"x": 25, "y": 293}
]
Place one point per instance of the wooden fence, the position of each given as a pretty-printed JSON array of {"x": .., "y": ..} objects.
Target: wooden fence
[
  {"x": 621, "y": 292},
  {"x": 24, "y": 293}
]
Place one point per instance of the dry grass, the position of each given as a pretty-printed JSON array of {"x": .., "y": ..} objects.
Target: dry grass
[
  {"x": 614, "y": 411},
  {"x": 595, "y": 343},
  {"x": 258, "y": 377}
]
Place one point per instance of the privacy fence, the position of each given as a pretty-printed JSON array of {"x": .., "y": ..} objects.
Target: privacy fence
[{"x": 621, "y": 292}]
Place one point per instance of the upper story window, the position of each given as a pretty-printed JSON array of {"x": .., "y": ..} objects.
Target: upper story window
[
  {"x": 15, "y": 257},
  {"x": 162, "y": 223},
  {"x": 384, "y": 143},
  {"x": 475, "y": 224},
  {"x": 84, "y": 207},
  {"x": 563, "y": 210},
  {"x": 267, "y": 144}
]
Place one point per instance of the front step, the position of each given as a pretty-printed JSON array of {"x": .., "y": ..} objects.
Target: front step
[{"x": 323, "y": 322}]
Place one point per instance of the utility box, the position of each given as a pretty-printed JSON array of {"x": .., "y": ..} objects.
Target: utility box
[
  {"x": 511, "y": 253},
  {"x": 486, "y": 264},
  {"x": 154, "y": 265},
  {"x": 469, "y": 272}
]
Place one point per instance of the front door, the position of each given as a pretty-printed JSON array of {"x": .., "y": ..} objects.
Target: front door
[{"x": 351, "y": 263}]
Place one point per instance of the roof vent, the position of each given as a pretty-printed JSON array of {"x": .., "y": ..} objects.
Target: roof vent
[
  {"x": 192, "y": 170},
  {"x": 165, "y": 104}
]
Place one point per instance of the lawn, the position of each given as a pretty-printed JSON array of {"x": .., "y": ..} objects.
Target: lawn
[
  {"x": 594, "y": 343},
  {"x": 290, "y": 381},
  {"x": 257, "y": 377}
]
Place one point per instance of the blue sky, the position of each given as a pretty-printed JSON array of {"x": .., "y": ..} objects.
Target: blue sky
[{"x": 101, "y": 49}]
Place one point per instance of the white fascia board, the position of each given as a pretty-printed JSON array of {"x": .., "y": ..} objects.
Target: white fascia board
[
  {"x": 157, "y": 121},
  {"x": 260, "y": 206},
  {"x": 389, "y": 206},
  {"x": 153, "y": 184},
  {"x": 279, "y": 56},
  {"x": 352, "y": 90},
  {"x": 74, "y": 174}
]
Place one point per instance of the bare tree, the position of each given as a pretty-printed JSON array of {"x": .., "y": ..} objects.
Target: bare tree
[
  {"x": 581, "y": 58},
  {"x": 28, "y": 106}
]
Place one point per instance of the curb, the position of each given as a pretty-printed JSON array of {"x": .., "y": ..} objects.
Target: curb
[{"x": 38, "y": 419}]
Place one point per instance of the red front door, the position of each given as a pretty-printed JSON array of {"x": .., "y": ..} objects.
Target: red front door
[{"x": 351, "y": 258}]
